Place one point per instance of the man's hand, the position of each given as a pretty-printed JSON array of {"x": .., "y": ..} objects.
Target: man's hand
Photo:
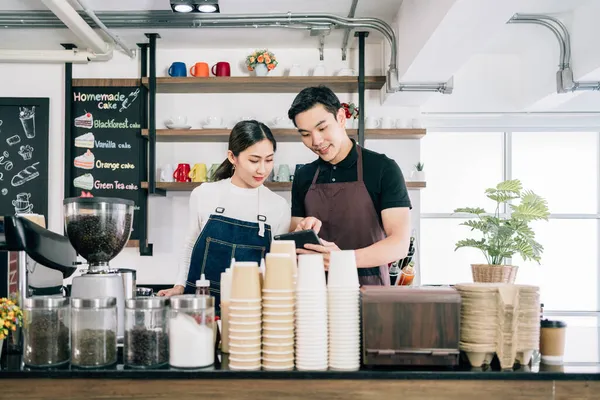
[
  {"x": 175, "y": 290},
  {"x": 309, "y": 223},
  {"x": 325, "y": 249}
]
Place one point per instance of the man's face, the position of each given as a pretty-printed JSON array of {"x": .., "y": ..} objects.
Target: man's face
[{"x": 322, "y": 132}]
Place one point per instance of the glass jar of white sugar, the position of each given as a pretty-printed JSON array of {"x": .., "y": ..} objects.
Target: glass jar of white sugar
[{"x": 191, "y": 340}]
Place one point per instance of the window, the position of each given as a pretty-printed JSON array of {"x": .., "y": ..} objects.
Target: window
[
  {"x": 459, "y": 167},
  {"x": 560, "y": 166}
]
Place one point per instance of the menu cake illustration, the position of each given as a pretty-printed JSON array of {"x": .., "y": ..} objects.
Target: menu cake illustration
[
  {"x": 85, "y": 181},
  {"x": 85, "y": 141},
  {"x": 85, "y": 161},
  {"x": 84, "y": 121}
]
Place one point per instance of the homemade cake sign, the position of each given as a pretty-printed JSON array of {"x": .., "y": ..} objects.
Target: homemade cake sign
[{"x": 106, "y": 142}]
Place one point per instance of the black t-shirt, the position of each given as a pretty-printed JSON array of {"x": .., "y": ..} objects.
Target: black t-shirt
[{"x": 382, "y": 176}]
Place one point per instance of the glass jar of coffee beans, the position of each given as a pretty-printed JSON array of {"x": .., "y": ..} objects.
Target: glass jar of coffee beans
[
  {"x": 46, "y": 331},
  {"x": 93, "y": 332},
  {"x": 146, "y": 337}
]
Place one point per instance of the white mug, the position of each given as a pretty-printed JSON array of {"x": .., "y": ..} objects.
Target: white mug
[
  {"x": 387, "y": 123},
  {"x": 179, "y": 120},
  {"x": 295, "y": 70},
  {"x": 401, "y": 123},
  {"x": 346, "y": 72},
  {"x": 372, "y": 123},
  {"x": 320, "y": 70},
  {"x": 213, "y": 121},
  {"x": 279, "y": 122},
  {"x": 166, "y": 173}
]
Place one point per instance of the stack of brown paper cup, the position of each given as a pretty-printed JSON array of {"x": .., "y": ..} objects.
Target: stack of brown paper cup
[
  {"x": 245, "y": 317},
  {"x": 278, "y": 313}
]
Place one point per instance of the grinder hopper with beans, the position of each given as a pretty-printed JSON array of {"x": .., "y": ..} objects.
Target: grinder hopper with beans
[{"x": 98, "y": 228}]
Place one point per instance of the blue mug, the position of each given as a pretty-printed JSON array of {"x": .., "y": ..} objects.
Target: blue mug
[{"x": 178, "y": 69}]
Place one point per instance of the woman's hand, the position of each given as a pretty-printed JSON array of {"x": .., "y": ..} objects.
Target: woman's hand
[
  {"x": 175, "y": 290},
  {"x": 309, "y": 223},
  {"x": 325, "y": 250}
]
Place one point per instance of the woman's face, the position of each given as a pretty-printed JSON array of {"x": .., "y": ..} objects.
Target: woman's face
[{"x": 254, "y": 165}]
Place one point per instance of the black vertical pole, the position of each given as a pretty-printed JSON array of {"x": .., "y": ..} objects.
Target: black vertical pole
[
  {"x": 68, "y": 123},
  {"x": 142, "y": 226},
  {"x": 152, "y": 115},
  {"x": 361, "y": 86}
]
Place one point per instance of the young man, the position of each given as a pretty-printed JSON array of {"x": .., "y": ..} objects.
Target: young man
[{"x": 354, "y": 198}]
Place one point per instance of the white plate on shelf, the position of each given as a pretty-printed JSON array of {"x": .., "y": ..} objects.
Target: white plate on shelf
[{"x": 178, "y": 126}]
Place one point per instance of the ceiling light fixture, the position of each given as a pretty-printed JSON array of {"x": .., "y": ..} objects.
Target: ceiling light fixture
[
  {"x": 199, "y": 6},
  {"x": 207, "y": 6}
]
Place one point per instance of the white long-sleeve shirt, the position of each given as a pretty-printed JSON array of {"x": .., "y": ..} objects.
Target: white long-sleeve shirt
[{"x": 239, "y": 203}]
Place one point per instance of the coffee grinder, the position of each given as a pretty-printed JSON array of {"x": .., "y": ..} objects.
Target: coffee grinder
[{"x": 98, "y": 228}]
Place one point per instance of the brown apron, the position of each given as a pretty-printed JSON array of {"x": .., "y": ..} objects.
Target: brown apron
[{"x": 349, "y": 219}]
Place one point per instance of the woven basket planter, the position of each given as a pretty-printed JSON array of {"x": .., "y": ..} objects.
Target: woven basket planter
[{"x": 494, "y": 273}]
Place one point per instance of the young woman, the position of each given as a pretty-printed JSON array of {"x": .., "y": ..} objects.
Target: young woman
[{"x": 236, "y": 216}]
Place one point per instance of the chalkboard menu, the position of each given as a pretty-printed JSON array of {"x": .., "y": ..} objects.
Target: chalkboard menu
[
  {"x": 106, "y": 143},
  {"x": 24, "y": 156}
]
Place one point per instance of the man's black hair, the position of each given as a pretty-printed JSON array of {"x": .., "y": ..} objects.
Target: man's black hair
[{"x": 312, "y": 96}]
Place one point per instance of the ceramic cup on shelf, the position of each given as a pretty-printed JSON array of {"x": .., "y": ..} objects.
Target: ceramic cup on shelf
[
  {"x": 346, "y": 72},
  {"x": 211, "y": 172},
  {"x": 320, "y": 70},
  {"x": 283, "y": 173},
  {"x": 198, "y": 172},
  {"x": 387, "y": 123},
  {"x": 372, "y": 123},
  {"x": 166, "y": 173},
  {"x": 295, "y": 70}
]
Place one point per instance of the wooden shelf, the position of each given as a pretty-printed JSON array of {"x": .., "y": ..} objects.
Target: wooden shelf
[
  {"x": 260, "y": 84},
  {"x": 275, "y": 186},
  {"x": 282, "y": 135}
]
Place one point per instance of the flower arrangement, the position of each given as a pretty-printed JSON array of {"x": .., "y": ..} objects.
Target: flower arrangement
[
  {"x": 261, "y": 57},
  {"x": 351, "y": 110},
  {"x": 11, "y": 316}
]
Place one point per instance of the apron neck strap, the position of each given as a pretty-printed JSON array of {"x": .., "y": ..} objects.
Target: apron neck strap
[{"x": 359, "y": 164}]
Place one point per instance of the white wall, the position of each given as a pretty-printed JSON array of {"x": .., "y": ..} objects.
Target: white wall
[{"x": 168, "y": 215}]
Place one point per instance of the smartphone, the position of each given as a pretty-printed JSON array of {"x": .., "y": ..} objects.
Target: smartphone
[{"x": 301, "y": 238}]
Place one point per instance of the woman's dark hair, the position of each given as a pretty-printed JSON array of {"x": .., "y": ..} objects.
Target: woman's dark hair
[
  {"x": 310, "y": 97},
  {"x": 243, "y": 135}
]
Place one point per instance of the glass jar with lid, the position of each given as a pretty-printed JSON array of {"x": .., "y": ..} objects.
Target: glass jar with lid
[
  {"x": 46, "y": 322},
  {"x": 191, "y": 337},
  {"x": 93, "y": 332},
  {"x": 146, "y": 332}
]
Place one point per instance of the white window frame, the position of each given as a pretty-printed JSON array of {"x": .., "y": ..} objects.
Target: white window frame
[{"x": 576, "y": 125}]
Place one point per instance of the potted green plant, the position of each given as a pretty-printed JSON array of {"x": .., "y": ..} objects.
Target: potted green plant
[
  {"x": 418, "y": 174},
  {"x": 504, "y": 237}
]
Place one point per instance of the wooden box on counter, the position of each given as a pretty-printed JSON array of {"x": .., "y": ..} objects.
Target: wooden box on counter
[{"x": 403, "y": 325}]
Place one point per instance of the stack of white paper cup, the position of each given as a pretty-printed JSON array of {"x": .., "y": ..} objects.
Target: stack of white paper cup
[
  {"x": 311, "y": 314},
  {"x": 343, "y": 295}
]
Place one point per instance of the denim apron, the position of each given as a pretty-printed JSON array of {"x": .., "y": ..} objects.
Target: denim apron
[{"x": 222, "y": 239}]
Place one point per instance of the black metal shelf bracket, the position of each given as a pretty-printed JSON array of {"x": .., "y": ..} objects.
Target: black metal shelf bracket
[
  {"x": 361, "y": 86},
  {"x": 68, "y": 121},
  {"x": 152, "y": 190},
  {"x": 146, "y": 248}
]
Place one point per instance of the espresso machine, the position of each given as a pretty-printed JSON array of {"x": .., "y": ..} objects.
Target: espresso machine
[
  {"x": 22, "y": 238},
  {"x": 99, "y": 228}
]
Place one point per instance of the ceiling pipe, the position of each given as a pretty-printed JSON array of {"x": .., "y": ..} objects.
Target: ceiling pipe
[
  {"x": 67, "y": 14},
  {"x": 83, "y": 4},
  {"x": 348, "y": 30},
  {"x": 170, "y": 20},
  {"x": 46, "y": 56},
  {"x": 565, "y": 82}
]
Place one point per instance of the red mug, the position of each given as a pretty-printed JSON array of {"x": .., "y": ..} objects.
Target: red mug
[
  {"x": 222, "y": 69},
  {"x": 181, "y": 173}
]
